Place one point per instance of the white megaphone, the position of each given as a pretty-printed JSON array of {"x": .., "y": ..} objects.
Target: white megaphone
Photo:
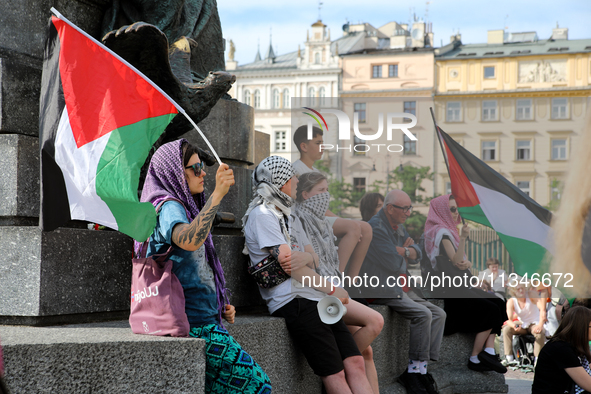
[{"x": 331, "y": 309}]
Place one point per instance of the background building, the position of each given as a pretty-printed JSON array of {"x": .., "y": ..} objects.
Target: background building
[
  {"x": 395, "y": 75},
  {"x": 518, "y": 103},
  {"x": 271, "y": 83}
]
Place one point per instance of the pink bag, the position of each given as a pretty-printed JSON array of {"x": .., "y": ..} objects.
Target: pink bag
[{"x": 157, "y": 298}]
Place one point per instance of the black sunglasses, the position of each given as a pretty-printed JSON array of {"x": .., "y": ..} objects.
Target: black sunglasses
[
  {"x": 197, "y": 168},
  {"x": 453, "y": 209}
]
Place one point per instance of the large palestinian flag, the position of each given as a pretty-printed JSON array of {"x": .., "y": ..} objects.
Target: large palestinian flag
[
  {"x": 98, "y": 120},
  {"x": 486, "y": 197}
]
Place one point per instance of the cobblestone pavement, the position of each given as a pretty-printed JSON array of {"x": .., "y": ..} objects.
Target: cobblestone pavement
[{"x": 519, "y": 382}]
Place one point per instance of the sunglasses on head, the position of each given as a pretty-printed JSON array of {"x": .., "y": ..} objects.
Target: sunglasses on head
[
  {"x": 453, "y": 209},
  {"x": 197, "y": 168}
]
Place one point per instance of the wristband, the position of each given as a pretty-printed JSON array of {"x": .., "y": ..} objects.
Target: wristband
[{"x": 332, "y": 292}]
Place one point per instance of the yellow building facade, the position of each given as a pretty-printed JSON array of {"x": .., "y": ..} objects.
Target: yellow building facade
[{"x": 518, "y": 103}]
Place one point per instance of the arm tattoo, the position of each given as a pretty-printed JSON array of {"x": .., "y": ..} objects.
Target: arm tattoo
[
  {"x": 274, "y": 251},
  {"x": 196, "y": 232}
]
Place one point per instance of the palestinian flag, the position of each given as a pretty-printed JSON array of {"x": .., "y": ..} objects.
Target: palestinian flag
[
  {"x": 486, "y": 197},
  {"x": 98, "y": 121}
]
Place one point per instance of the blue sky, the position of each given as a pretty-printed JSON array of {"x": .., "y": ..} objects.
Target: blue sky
[{"x": 248, "y": 21}]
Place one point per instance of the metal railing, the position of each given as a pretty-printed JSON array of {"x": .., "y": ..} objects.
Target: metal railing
[{"x": 484, "y": 243}]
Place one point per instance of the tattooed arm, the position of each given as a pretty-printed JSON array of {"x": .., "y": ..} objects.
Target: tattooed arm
[{"x": 191, "y": 236}]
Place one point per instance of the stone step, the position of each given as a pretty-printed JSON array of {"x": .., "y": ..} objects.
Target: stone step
[
  {"x": 100, "y": 358},
  {"x": 107, "y": 356}
]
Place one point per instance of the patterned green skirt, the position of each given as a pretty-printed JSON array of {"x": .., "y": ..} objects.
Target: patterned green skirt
[{"x": 229, "y": 369}]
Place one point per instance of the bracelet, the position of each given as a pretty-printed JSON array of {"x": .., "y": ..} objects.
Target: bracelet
[{"x": 332, "y": 292}]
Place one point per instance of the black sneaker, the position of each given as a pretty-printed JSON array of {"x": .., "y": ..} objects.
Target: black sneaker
[
  {"x": 429, "y": 383},
  {"x": 412, "y": 383},
  {"x": 480, "y": 367},
  {"x": 492, "y": 361}
]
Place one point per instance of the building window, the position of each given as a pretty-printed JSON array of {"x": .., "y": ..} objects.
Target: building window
[
  {"x": 322, "y": 95},
  {"x": 523, "y": 110},
  {"x": 524, "y": 186},
  {"x": 281, "y": 141},
  {"x": 489, "y": 72},
  {"x": 276, "y": 98},
  {"x": 359, "y": 150},
  {"x": 360, "y": 110},
  {"x": 393, "y": 70},
  {"x": 454, "y": 111},
  {"x": 555, "y": 191},
  {"x": 317, "y": 58},
  {"x": 286, "y": 102},
  {"x": 489, "y": 150},
  {"x": 311, "y": 92},
  {"x": 559, "y": 149},
  {"x": 359, "y": 184},
  {"x": 257, "y": 98},
  {"x": 447, "y": 187},
  {"x": 410, "y": 146},
  {"x": 523, "y": 150},
  {"x": 377, "y": 71},
  {"x": 489, "y": 110},
  {"x": 559, "y": 108},
  {"x": 410, "y": 107},
  {"x": 247, "y": 97}
]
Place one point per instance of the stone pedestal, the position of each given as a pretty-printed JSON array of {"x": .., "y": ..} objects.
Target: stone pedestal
[
  {"x": 50, "y": 277},
  {"x": 74, "y": 274}
]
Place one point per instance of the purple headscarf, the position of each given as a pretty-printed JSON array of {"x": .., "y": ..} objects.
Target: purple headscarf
[{"x": 166, "y": 180}]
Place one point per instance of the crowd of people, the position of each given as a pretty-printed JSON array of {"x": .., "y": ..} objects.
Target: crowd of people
[{"x": 290, "y": 235}]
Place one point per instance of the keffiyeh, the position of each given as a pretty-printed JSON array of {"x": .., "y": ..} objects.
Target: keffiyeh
[
  {"x": 267, "y": 179},
  {"x": 319, "y": 231}
]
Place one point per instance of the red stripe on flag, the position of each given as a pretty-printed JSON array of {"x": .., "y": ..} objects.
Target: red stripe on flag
[
  {"x": 461, "y": 188},
  {"x": 101, "y": 92}
]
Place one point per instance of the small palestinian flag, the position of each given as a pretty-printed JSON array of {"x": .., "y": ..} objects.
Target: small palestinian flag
[
  {"x": 486, "y": 197},
  {"x": 98, "y": 121}
]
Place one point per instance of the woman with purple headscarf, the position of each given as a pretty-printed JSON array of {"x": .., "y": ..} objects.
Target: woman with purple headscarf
[{"x": 175, "y": 177}]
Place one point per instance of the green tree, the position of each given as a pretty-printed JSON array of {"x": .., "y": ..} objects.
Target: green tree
[
  {"x": 555, "y": 195},
  {"x": 410, "y": 179}
]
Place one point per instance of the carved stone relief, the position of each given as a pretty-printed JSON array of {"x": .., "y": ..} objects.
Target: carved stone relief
[{"x": 542, "y": 71}]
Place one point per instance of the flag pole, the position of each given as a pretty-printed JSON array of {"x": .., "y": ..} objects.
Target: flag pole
[
  {"x": 442, "y": 150},
  {"x": 178, "y": 107}
]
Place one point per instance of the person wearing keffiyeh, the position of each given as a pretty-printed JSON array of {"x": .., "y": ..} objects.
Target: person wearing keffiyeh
[
  {"x": 174, "y": 183},
  {"x": 270, "y": 229},
  {"x": 311, "y": 204}
]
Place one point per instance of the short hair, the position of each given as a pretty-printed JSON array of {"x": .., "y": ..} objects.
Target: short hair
[
  {"x": 301, "y": 135},
  {"x": 512, "y": 290},
  {"x": 188, "y": 152},
  {"x": 367, "y": 205},
  {"x": 492, "y": 261},
  {"x": 307, "y": 181}
]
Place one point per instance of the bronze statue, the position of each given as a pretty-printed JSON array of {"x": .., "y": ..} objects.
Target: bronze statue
[{"x": 191, "y": 69}]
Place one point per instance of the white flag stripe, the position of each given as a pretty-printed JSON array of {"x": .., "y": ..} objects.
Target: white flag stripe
[
  {"x": 513, "y": 219},
  {"x": 79, "y": 167}
]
